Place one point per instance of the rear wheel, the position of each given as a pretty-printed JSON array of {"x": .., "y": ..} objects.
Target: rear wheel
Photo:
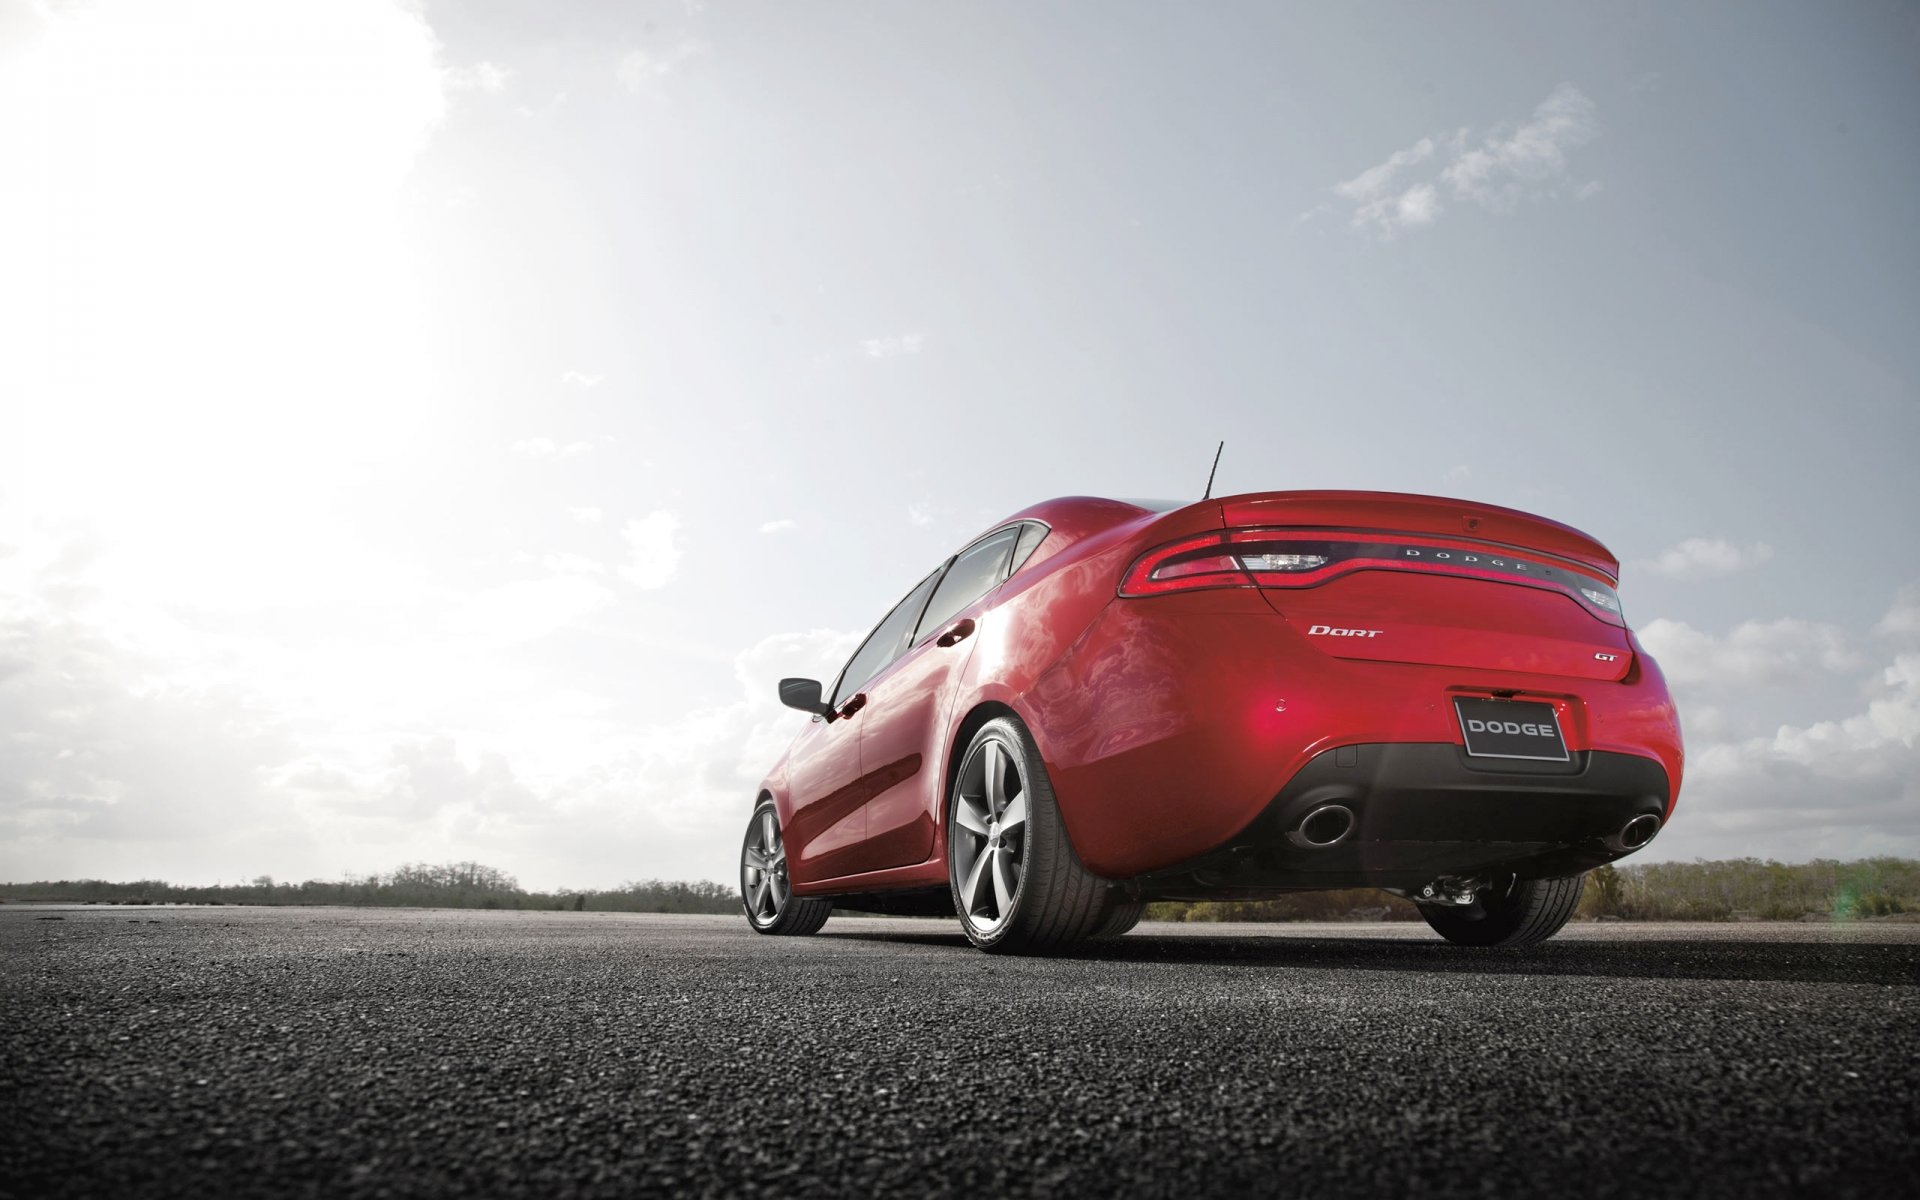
[
  {"x": 1017, "y": 884},
  {"x": 765, "y": 894},
  {"x": 1510, "y": 912},
  {"x": 1120, "y": 918}
]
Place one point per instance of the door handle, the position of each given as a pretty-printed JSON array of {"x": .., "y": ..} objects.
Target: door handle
[
  {"x": 853, "y": 706},
  {"x": 956, "y": 632}
]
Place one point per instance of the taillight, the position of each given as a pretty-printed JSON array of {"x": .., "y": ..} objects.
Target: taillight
[
  {"x": 1274, "y": 558},
  {"x": 1186, "y": 565}
]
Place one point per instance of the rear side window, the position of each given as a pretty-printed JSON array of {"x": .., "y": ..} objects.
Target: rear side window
[
  {"x": 1031, "y": 535},
  {"x": 885, "y": 643},
  {"x": 972, "y": 575}
]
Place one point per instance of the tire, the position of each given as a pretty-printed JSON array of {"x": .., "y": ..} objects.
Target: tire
[
  {"x": 774, "y": 909},
  {"x": 1514, "y": 912},
  {"x": 1030, "y": 892},
  {"x": 1119, "y": 918}
]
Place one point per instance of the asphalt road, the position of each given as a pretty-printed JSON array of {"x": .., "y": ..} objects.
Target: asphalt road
[{"x": 280, "y": 1052}]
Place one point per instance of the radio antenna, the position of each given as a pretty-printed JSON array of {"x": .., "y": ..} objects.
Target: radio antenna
[{"x": 1208, "y": 494}]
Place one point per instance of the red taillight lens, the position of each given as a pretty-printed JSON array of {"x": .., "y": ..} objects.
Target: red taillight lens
[
  {"x": 1236, "y": 558},
  {"x": 1185, "y": 565},
  {"x": 1212, "y": 564}
]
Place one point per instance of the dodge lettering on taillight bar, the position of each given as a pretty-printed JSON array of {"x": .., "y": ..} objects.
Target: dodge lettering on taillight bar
[{"x": 1291, "y": 558}]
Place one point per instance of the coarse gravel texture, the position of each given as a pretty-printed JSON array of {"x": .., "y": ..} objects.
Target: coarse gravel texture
[{"x": 353, "y": 1052}]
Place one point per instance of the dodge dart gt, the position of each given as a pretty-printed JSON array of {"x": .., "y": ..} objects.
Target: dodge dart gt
[{"x": 1097, "y": 704}]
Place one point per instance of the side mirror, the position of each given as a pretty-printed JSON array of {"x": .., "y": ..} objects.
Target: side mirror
[{"x": 804, "y": 694}]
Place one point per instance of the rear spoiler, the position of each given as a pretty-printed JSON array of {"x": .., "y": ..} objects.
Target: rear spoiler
[{"x": 1397, "y": 512}]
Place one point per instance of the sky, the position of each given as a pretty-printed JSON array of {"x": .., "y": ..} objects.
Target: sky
[{"x": 427, "y": 432}]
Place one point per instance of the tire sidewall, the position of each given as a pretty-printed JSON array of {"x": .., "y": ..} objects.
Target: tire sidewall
[
  {"x": 746, "y": 839},
  {"x": 1500, "y": 925},
  {"x": 1012, "y": 740}
]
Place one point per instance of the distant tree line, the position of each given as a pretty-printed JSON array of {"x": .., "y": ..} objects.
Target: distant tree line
[
  {"x": 1730, "y": 890},
  {"x": 415, "y": 885},
  {"x": 1753, "y": 889}
]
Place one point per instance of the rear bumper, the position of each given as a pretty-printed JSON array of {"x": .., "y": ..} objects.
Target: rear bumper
[
  {"x": 1172, "y": 723},
  {"x": 1423, "y": 810}
]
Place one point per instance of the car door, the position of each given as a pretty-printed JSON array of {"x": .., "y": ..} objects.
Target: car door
[
  {"x": 825, "y": 784},
  {"x": 828, "y": 818},
  {"x": 907, "y": 708}
]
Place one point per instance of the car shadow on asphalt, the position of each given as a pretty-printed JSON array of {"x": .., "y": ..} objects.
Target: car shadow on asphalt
[{"x": 1877, "y": 963}]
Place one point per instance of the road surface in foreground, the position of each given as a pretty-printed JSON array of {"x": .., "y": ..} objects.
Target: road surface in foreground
[{"x": 221, "y": 1051}]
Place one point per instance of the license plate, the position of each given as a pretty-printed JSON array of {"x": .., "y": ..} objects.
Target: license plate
[{"x": 1511, "y": 729}]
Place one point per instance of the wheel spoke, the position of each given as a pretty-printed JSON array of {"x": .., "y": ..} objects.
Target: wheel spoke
[
  {"x": 995, "y": 790},
  {"x": 971, "y": 889},
  {"x": 1002, "y": 886},
  {"x": 756, "y": 860},
  {"x": 968, "y": 815},
  {"x": 768, "y": 835},
  {"x": 1016, "y": 814},
  {"x": 759, "y": 895},
  {"x": 778, "y": 887}
]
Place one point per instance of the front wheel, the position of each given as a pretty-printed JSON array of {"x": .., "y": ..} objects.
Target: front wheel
[
  {"x": 1017, "y": 884},
  {"x": 765, "y": 894},
  {"x": 1510, "y": 912}
]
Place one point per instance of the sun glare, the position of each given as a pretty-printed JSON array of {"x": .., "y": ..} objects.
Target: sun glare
[{"x": 229, "y": 312}]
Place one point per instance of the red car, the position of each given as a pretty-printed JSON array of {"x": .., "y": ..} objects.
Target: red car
[{"x": 1101, "y": 703}]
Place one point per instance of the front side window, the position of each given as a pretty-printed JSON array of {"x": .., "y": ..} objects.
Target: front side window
[
  {"x": 978, "y": 569},
  {"x": 885, "y": 643}
]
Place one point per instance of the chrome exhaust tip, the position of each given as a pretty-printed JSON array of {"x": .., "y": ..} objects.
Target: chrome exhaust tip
[
  {"x": 1638, "y": 832},
  {"x": 1327, "y": 825}
]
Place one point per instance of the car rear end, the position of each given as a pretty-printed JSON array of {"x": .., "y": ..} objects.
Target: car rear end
[{"x": 1324, "y": 689}]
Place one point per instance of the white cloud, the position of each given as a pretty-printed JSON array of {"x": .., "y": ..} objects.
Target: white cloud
[
  {"x": 1530, "y": 160},
  {"x": 1497, "y": 171},
  {"x": 779, "y": 526},
  {"x": 1754, "y": 652},
  {"x": 637, "y": 67},
  {"x": 1903, "y": 619},
  {"x": 587, "y": 514},
  {"x": 654, "y": 540},
  {"x": 682, "y": 791},
  {"x": 546, "y": 447},
  {"x": 553, "y": 105},
  {"x": 580, "y": 379},
  {"x": 480, "y": 77},
  {"x": 424, "y": 732},
  {"x": 430, "y": 776},
  {"x": 1837, "y": 788},
  {"x": 1379, "y": 205},
  {"x": 1376, "y": 181},
  {"x": 1843, "y": 787},
  {"x": 1704, "y": 558},
  {"x": 526, "y": 610},
  {"x": 573, "y": 564},
  {"x": 920, "y": 514},
  {"x": 1418, "y": 205},
  {"x": 893, "y": 347}
]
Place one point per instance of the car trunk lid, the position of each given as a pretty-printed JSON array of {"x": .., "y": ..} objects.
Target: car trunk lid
[
  {"x": 1440, "y": 620},
  {"x": 1388, "y": 577}
]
